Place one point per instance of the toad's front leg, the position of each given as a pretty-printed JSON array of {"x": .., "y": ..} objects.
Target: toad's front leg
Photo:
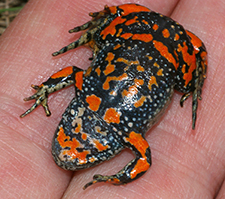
[{"x": 57, "y": 81}]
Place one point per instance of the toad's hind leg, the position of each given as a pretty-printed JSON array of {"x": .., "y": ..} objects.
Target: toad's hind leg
[
  {"x": 135, "y": 168},
  {"x": 82, "y": 139}
]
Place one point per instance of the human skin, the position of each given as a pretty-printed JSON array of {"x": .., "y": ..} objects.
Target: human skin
[{"x": 186, "y": 163}]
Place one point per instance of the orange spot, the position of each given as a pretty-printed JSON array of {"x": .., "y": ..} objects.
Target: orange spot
[
  {"x": 166, "y": 33},
  {"x": 177, "y": 37},
  {"x": 141, "y": 145},
  {"x": 160, "y": 72},
  {"x": 203, "y": 55},
  {"x": 84, "y": 136},
  {"x": 145, "y": 22},
  {"x": 79, "y": 79},
  {"x": 127, "y": 61},
  {"x": 91, "y": 44},
  {"x": 133, "y": 89},
  {"x": 131, "y": 21},
  {"x": 91, "y": 159},
  {"x": 140, "y": 102},
  {"x": 156, "y": 65},
  {"x": 65, "y": 142},
  {"x": 190, "y": 60},
  {"x": 126, "y": 35},
  {"x": 149, "y": 57},
  {"x": 183, "y": 70},
  {"x": 197, "y": 43},
  {"x": 112, "y": 116},
  {"x": 114, "y": 93},
  {"x": 78, "y": 128},
  {"x": 113, "y": 9},
  {"x": 100, "y": 146},
  {"x": 109, "y": 79},
  {"x": 94, "y": 102},
  {"x": 88, "y": 72},
  {"x": 152, "y": 81},
  {"x": 111, "y": 29},
  {"x": 138, "y": 82},
  {"x": 141, "y": 166},
  {"x": 110, "y": 67},
  {"x": 117, "y": 46},
  {"x": 165, "y": 53},
  {"x": 140, "y": 68},
  {"x": 119, "y": 32},
  {"x": 115, "y": 181},
  {"x": 132, "y": 8},
  {"x": 204, "y": 62},
  {"x": 63, "y": 73},
  {"x": 142, "y": 37},
  {"x": 98, "y": 71},
  {"x": 155, "y": 27}
]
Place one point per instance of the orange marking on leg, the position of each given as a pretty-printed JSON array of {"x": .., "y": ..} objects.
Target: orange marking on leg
[
  {"x": 204, "y": 62},
  {"x": 141, "y": 145},
  {"x": 165, "y": 53},
  {"x": 79, "y": 79},
  {"x": 141, "y": 166},
  {"x": 65, "y": 142},
  {"x": 63, "y": 73},
  {"x": 112, "y": 116},
  {"x": 94, "y": 102},
  {"x": 190, "y": 60}
]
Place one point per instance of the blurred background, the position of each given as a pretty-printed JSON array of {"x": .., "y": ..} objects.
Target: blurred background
[{"x": 8, "y": 11}]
